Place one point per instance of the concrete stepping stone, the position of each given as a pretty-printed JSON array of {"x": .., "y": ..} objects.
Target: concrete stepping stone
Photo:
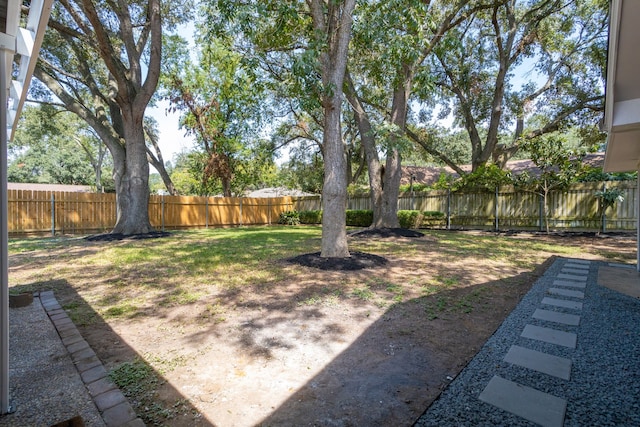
[
  {"x": 574, "y": 305},
  {"x": 581, "y": 267},
  {"x": 577, "y": 278},
  {"x": 526, "y": 402},
  {"x": 630, "y": 266},
  {"x": 574, "y": 271},
  {"x": 570, "y": 284},
  {"x": 566, "y": 292},
  {"x": 579, "y": 261},
  {"x": 552, "y": 336},
  {"x": 538, "y": 361},
  {"x": 556, "y": 317}
]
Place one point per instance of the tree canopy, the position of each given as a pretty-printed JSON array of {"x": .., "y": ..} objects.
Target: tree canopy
[
  {"x": 555, "y": 47},
  {"x": 222, "y": 104},
  {"x": 355, "y": 86},
  {"x": 53, "y": 146}
]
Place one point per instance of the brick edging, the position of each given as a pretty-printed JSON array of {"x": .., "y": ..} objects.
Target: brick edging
[{"x": 115, "y": 409}]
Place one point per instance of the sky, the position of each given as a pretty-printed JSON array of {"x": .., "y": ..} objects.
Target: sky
[{"x": 172, "y": 139}]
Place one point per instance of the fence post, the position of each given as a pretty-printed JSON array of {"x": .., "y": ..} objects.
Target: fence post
[
  {"x": 53, "y": 214},
  {"x": 449, "y": 209},
  {"x": 269, "y": 210},
  {"x": 541, "y": 208},
  {"x": 240, "y": 211},
  {"x": 206, "y": 212},
  {"x": 604, "y": 211},
  {"x": 162, "y": 211},
  {"x": 495, "y": 208}
]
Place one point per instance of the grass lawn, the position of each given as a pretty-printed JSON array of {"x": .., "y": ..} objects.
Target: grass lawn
[{"x": 212, "y": 327}]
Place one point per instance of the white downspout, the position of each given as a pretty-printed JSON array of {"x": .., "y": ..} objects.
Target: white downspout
[{"x": 6, "y": 60}]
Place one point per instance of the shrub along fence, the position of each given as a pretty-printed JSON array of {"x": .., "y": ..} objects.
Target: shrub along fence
[{"x": 506, "y": 208}]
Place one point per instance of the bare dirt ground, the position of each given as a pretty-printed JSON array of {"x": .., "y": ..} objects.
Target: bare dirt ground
[{"x": 373, "y": 346}]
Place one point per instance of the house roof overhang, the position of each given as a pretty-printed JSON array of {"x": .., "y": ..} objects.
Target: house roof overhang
[{"x": 622, "y": 100}]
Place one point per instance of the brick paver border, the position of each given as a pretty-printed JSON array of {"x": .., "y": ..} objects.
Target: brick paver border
[{"x": 114, "y": 408}]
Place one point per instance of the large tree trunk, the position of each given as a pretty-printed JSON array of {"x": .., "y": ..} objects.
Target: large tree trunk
[
  {"x": 392, "y": 175},
  {"x": 131, "y": 176},
  {"x": 334, "y": 191},
  {"x": 114, "y": 110},
  {"x": 332, "y": 23},
  {"x": 370, "y": 150},
  {"x": 393, "y": 165}
]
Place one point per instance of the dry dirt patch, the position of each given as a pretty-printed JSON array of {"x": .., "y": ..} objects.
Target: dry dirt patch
[{"x": 300, "y": 346}]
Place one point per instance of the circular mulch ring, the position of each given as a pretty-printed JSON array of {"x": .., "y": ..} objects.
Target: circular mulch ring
[
  {"x": 386, "y": 232},
  {"x": 110, "y": 237},
  {"x": 357, "y": 261}
]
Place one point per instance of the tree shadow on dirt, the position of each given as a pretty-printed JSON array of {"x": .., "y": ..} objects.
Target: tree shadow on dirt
[
  {"x": 394, "y": 370},
  {"x": 390, "y": 371}
]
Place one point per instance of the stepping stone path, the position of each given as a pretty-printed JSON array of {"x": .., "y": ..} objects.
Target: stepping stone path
[{"x": 559, "y": 310}]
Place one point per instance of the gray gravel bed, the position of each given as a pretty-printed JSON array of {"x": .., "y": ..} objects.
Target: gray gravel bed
[{"x": 604, "y": 387}]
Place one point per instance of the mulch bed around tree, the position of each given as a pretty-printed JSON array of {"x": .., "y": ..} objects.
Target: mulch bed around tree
[
  {"x": 357, "y": 261},
  {"x": 386, "y": 233},
  {"x": 111, "y": 237}
]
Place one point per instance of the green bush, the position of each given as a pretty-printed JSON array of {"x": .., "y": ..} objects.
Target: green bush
[
  {"x": 289, "y": 218},
  {"x": 355, "y": 218},
  {"x": 359, "y": 218},
  {"x": 418, "y": 219},
  {"x": 410, "y": 219},
  {"x": 594, "y": 174},
  {"x": 364, "y": 218},
  {"x": 310, "y": 217},
  {"x": 485, "y": 179}
]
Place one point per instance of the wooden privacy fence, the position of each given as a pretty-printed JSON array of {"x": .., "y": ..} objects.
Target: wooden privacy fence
[
  {"x": 42, "y": 211},
  {"x": 506, "y": 208},
  {"x": 177, "y": 212},
  {"x": 509, "y": 208},
  {"x": 81, "y": 213}
]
